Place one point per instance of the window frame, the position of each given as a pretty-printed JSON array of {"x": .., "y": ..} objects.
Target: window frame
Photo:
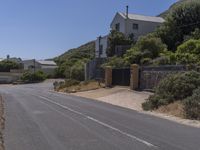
[{"x": 135, "y": 26}]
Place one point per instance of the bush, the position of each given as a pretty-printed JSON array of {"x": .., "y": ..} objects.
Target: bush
[
  {"x": 117, "y": 38},
  {"x": 147, "y": 48},
  {"x": 68, "y": 82},
  {"x": 6, "y": 66},
  {"x": 192, "y": 105},
  {"x": 152, "y": 45},
  {"x": 116, "y": 62},
  {"x": 188, "y": 52},
  {"x": 77, "y": 71},
  {"x": 172, "y": 88},
  {"x": 34, "y": 77}
]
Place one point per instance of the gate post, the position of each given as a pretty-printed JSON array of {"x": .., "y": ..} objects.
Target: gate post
[
  {"x": 134, "y": 79},
  {"x": 108, "y": 76}
]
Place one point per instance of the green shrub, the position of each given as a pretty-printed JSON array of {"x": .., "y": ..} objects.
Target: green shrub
[
  {"x": 172, "y": 88},
  {"x": 152, "y": 45},
  {"x": 192, "y": 105},
  {"x": 34, "y": 77},
  {"x": 6, "y": 66},
  {"x": 115, "y": 62},
  {"x": 68, "y": 82},
  {"x": 117, "y": 38}
]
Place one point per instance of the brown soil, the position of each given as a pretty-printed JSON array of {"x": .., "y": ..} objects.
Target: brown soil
[
  {"x": 2, "y": 121},
  {"x": 175, "y": 109}
]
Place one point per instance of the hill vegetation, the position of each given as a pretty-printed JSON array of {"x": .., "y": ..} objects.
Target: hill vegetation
[
  {"x": 71, "y": 63},
  {"x": 172, "y": 7}
]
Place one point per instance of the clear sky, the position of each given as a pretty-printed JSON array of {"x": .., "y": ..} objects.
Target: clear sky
[{"x": 47, "y": 28}]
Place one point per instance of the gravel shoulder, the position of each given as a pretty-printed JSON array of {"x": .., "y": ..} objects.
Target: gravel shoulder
[{"x": 124, "y": 97}]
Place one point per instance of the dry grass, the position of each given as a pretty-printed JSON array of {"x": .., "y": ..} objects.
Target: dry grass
[
  {"x": 174, "y": 109},
  {"x": 83, "y": 86},
  {"x": 2, "y": 121}
]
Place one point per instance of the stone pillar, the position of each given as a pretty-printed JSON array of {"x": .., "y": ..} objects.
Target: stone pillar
[
  {"x": 108, "y": 76},
  {"x": 134, "y": 80}
]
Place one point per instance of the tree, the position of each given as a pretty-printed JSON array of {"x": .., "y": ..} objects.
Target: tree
[
  {"x": 116, "y": 62},
  {"x": 6, "y": 65},
  {"x": 117, "y": 38},
  {"x": 188, "y": 52},
  {"x": 180, "y": 23},
  {"x": 147, "y": 48}
]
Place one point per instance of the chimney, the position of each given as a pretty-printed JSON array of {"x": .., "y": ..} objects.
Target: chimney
[{"x": 127, "y": 11}]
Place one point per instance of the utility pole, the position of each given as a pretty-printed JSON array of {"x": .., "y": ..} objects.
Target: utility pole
[
  {"x": 99, "y": 46},
  {"x": 34, "y": 65}
]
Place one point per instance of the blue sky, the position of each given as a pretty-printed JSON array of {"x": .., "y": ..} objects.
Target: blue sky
[{"x": 47, "y": 28}]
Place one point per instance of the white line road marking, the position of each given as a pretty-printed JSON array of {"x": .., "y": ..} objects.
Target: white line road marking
[{"x": 99, "y": 122}]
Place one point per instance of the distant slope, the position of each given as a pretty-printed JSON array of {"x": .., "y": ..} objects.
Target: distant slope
[
  {"x": 85, "y": 51},
  {"x": 165, "y": 13}
]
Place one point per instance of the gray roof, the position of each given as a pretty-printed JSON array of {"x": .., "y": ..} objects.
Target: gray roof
[
  {"x": 46, "y": 62},
  {"x": 143, "y": 18}
]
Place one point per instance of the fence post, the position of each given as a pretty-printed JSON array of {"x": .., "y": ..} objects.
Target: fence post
[
  {"x": 134, "y": 80},
  {"x": 86, "y": 71},
  {"x": 108, "y": 76}
]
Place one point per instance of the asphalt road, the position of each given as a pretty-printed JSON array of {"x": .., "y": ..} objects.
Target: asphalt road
[{"x": 38, "y": 119}]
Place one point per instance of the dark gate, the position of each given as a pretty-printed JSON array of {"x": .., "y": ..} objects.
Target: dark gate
[{"x": 121, "y": 76}]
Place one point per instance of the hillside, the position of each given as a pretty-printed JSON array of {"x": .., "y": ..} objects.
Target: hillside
[
  {"x": 71, "y": 63},
  {"x": 164, "y": 14},
  {"x": 85, "y": 51}
]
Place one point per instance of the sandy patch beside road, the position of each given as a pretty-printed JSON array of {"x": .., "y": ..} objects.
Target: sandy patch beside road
[
  {"x": 124, "y": 97},
  {"x": 120, "y": 96}
]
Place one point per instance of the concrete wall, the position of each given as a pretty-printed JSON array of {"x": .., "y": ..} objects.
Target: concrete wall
[
  {"x": 93, "y": 69},
  {"x": 8, "y": 77},
  {"x": 151, "y": 76},
  {"x": 104, "y": 43}
]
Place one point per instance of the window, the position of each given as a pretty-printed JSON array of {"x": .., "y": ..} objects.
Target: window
[
  {"x": 117, "y": 27},
  {"x": 100, "y": 49},
  {"x": 135, "y": 26}
]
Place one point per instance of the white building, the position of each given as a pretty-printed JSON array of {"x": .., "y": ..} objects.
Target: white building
[
  {"x": 47, "y": 67},
  {"x": 138, "y": 25}
]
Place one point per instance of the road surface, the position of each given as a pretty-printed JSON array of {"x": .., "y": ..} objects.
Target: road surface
[{"x": 38, "y": 119}]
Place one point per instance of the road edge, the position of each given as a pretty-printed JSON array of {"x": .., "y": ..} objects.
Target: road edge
[
  {"x": 2, "y": 123},
  {"x": 181, "y": 121}
]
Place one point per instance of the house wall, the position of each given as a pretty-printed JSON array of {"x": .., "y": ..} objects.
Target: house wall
[
  {"x": 126, "y": 27},
  {"x": 104, "y": 43},
  {"x": 144, "y": 27},
  {"x": 48, "y": 69},
  {"x": 118, "y": 19},
  {"x": 28, "y": 63}
]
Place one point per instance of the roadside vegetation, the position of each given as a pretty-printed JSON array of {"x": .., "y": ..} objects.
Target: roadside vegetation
[
  {"x": 29, "y": 77},
  {"x": 6, "y": 66},
  {"x": 72, "y": 86},
  {"x": 180, "y": 87},
  {"x": 71, "y": 64},
  {"x": 175, "y": 42}
]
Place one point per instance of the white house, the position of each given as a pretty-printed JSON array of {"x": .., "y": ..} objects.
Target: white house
[
  {"x": 137, "y": 25},
  {"x": 46, "y": 66}
]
